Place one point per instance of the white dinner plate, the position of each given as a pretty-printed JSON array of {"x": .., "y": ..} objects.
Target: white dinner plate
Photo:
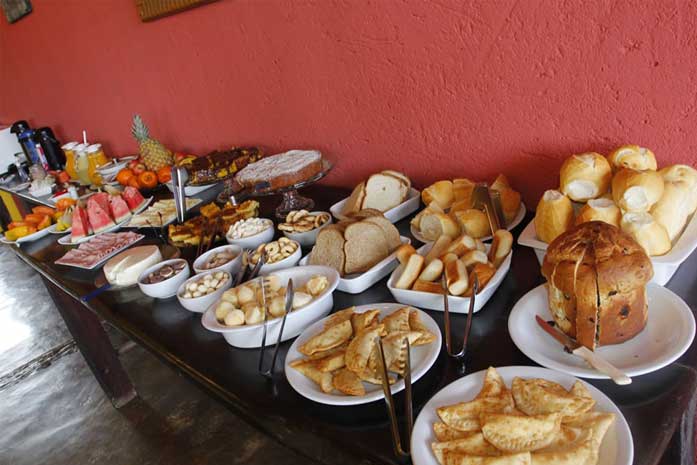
[
  {"x": 31, "y": 237},
  {"x": 422, "y": 358},
  {"x": 53, "y": 231},
  {"x": 617, "y": 447},
  {"x": 65, "y": 240},
  {"x": 404, "y": 209},
  {"x": 516, "y": 221},
  {"x": 358, "y": 282},
  {"x": 669, "y": 332}
]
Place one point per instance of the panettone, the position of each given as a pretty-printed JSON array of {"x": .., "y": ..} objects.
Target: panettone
[{"x": 596, "y": 280}]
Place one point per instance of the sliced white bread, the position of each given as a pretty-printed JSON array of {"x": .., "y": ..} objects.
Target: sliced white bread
[
  {"x": 364, "y": 247},
  {"x": 402, "y": 177},
  {"x": 355, "y": 200},
  {"x": 329, "y": 248},
  {"x": 383, "y": 192}
]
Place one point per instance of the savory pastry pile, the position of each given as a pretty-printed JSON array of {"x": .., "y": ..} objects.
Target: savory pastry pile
[{"x": 535, "y": 422}]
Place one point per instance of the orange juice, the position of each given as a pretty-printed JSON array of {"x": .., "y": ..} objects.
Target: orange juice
[
  {"x": 95, "y": 159},
  {"x": 69, "y": 150}
]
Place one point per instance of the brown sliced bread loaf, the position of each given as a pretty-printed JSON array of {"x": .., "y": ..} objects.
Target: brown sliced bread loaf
[
  {"x": 389, "y": 230},
  {"x": 355, "y": 200},
  {"x": 364, "y": 247},
  {"x": 365, "y": 213},
  {"x": 329, "y": 248}
]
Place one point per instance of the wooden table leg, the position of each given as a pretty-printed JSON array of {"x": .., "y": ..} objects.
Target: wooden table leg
[{"x": 93, "y": 342}]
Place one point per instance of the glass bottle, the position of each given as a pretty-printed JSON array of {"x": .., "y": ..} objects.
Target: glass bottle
[{"x": 69, "y": 150}]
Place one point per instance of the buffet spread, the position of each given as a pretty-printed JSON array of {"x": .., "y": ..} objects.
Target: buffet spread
[{"x": 598, "y": 236}]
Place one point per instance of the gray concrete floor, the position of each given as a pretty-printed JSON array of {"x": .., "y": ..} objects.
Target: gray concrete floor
[{"x": 53, "y": 411}]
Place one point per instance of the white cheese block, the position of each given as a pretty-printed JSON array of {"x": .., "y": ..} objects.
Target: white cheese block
[{"x": 124, "y": 268}]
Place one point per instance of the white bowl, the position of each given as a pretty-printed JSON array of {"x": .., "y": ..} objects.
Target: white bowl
[
  {"x": 456, "y": 304},
  {"x": 200, "y": 304},
  {"x": 168, "y": 287},
  {"x": 308, "y": 239},
  {"x": 404, "y": 209},
  {"x": 252, "y": 242},
  {"x": 232, "y": 267},
  {"x": 288, "y": 262},
  {"x": 249, "y": 336},
  {"x": 109, "y": 171}
]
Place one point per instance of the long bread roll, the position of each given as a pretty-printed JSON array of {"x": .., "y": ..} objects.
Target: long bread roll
[
  {"x": 585, "y": 176},
  {"x": 554, "y": 215}
]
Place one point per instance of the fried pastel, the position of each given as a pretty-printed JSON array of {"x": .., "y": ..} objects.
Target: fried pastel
[
  {"x": 515, "y": 433},
  {"x": 493, "y": 384},
  {"x": 415, "y": 324},
  {"x": 359, "y": 349},
  {"x": 464, "y": 416},
  {"x": 597, "y": 423},
  {"x": 579, "y": 451},
  {"x": 323, "y": 379},
  {"x": 361, "y": 321},
  {"x": 472, "y": 444},
  {"x": 397, "y": 321},
  {"x": 444, "y": 432},
  {"x": 331, "y": 337},
  {"x": 373, "y": 377},
  {"x": 395, "y": 349},
  {"x": 456, "y": 458},
  {"x": 538, "y": 396},
  {"x": 326, "y": 353},
  {"x": 331, "y": 362},
  {"x": 347, "y": 382},
  {"x": 339, "y": 317},
  {"x": 580, "y": 390}
]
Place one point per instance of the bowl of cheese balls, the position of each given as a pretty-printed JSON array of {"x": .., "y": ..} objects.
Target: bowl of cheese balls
[{"x": 238, "y": 313}]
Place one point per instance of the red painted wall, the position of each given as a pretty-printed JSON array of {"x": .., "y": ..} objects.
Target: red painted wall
[{"x": 436, "y": 88}]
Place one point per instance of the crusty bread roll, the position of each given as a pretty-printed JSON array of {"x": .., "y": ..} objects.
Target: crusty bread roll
[
  {"x": 462, "y": 244},
  {"x": 683, "y": 174},
  {"x": 437, "y": 224},
  {"x": 440, "y": 192},
  {"x": 585, "y": 176},
  {"x": 427, "y": 286},
  {"x": 652, "y": 236},
  {"x": 430, "y": 209},
  {"x": 634, "y": 157},
  {"x": 473, "y": 222},
  {"x": 554, "y": 215},
  {"x": 483, "y": 272},
  {"x": 500, "y": 247},
  {"x": 473, "y": 257},
  {"x": 510, "y": 199},
  {"x": 410, "y": 272},
  {"x": 460, "y": 205},
  {"x": 601, "y": 209},
  {"x": 456, "y": 277},
  {"x": 480, "y": 245},
  {"x": 405, "y": 251},
  {"x": 432, "y": 271},
  {"x": 636, "y": 191},
  {"x": 439, "y": 248},
  {"x": 448, "y": 257},
  {"x": 462, "y": 190},
  {"x": 673, "y": 208}
]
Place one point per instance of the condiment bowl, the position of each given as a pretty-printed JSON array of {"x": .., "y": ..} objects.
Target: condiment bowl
[
  {"x": 308, "y": 238},
  {"x": 288, "y": 262},
  {"x": 200, "y": 304},
  {"x": 254, "y": 241},
  {"x": 168, "y": 287},
  {"x": 232, "y": 267},
  {"x": 249, "y": 336}
]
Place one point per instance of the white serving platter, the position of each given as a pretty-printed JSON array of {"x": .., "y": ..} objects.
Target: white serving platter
[{"x": 404, "y": 209}]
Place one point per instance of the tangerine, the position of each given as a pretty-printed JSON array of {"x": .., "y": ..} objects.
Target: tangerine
[
  {"x": 124, "y": 176},
  {"x": 147, "y": 179},
  {"x": 133, "y": 182},
  {"x": 164, "y": 174}
]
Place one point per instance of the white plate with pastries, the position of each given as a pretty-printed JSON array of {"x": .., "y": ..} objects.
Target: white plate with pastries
[
  {"x": 669, "y": 332},
  {"x": 431, "y": 296},
  {"x": 389, "y": 192},
  {"x": 422, "y": 358},
  {"x": 614, "y": 447},
  {"x": 418, "y": 235}
]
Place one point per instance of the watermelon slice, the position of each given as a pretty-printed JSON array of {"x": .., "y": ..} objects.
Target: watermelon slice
[
  {"x": 132, "y": 197},
  {"x": 98, "y": 217},
  {"x": 118, "y": 208},
  {"x": 102, "y": 199},
  {"x": 80, "y": 226}
]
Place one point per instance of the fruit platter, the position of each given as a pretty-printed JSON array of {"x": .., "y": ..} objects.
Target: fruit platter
[{"x": 35, "y": 225}]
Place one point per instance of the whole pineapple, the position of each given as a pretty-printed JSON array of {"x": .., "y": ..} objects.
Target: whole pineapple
[{"x": 154, "y": 154}]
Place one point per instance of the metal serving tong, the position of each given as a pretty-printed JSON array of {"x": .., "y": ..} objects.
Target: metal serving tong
[
  {"x": 468, "y": 326},
  {"x": 179, "y": 179},
  {"x": 289, "y": 306},
  {"x": 399, "y": 450},
  {"x": 488, "y": 201}
]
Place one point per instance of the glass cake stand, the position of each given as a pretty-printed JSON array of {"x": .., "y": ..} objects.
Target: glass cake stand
[{"x": 291, "y": 200}]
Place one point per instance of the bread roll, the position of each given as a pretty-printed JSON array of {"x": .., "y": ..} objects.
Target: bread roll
[
  {"x": 462, "y": 191},
  {"x": 634, "y": 157},
  {"x": 404, "y": 252},
  {"x": 473, "y": 222},
  {"x": 673, "y": 208},
  {"x": 462, "y": 244},
  {"x": 449, "y": 257},
  {"x": 647, "y": 232},
  {"x": 500, "y": 247},
  {"x": 427, "y": 286},
  {"x": 440, "y": 192},
  {"x": 456, "y": 277},
  {"x": 439, "y": 248},
  {"x": 636, "y": 191},
  {"x": 460, "y": 205},
  {"x": 480, "y": 245},
  {"x": 601, "y": 209},
  {"x": 410, "y": 272},
  {"x": 484, "y": 272},
  {"x": 432, "y": 271},
  {"x": 433, "y": 208},
  {"x": 585, "y": 176},
  {"x": 438, "y": 224},
  {"x": 473, "y": 257},
  {"x": 554, "y": 215},
  {"x": 686, "y": 175}
]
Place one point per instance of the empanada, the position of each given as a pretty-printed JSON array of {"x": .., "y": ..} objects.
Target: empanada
[
  {"x": 493, "y": 384},
  {"x": 347, "y": 382},
  {"x": 472, "y": 444},
  {"x": 456, "y": 458},
  {"x": 397, "y": 321},
  {"x": 464, "y": 416},
  {"x": 444, "y": 432},
  {"x": 577, "y": 452},
  {"x": 361, "y": 321},
  {"x": 328, "y": 339},
  {"x": 331, "y": 362},
  {"x": 339, "y": 317},
  {"x": 359, "y": 349},
  {"x": 415, "y": 324},
  {"x": 323, "y": 379},
  {"x": 537, "y": 396},
  {"x": 514, "y": 433}
]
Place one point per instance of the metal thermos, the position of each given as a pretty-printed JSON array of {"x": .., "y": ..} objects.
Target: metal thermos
[
  {"x": 25, "y": 136},
  {"x": 55, "y": 157}
]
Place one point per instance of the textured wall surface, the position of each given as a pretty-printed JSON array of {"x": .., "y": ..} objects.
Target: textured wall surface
[{"x": 437, "y": 88}]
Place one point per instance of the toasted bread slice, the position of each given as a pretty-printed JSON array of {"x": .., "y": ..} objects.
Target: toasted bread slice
[
  {"x": 383, "y": 192},
  {"x": 364, "y": 247},
  {"x": 329, "y": 248}
]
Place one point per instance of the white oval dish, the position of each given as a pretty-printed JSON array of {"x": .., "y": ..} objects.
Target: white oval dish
[
  {"x": 167, "y": 288},
  {"x": 34, "y": 236},
  {"x": 254, "y": 241},
  {"x": 288, "y": 262},
  {"x": 422, "y": 358},
  {"x": 456, "y": 304},
  {"x": 200, "y": 304},
  {"x": 404, "y": 209},
  {"x": 308, "y": 239},
  {"x": 669, "y": 332},
  {"x": 249, "y": 336},
  {"x": 617, "y": 447},
  {"x": 232, "y": 267}
]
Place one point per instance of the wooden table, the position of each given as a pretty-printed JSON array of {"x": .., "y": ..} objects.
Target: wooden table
[{"x": 660, "y": 407}]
